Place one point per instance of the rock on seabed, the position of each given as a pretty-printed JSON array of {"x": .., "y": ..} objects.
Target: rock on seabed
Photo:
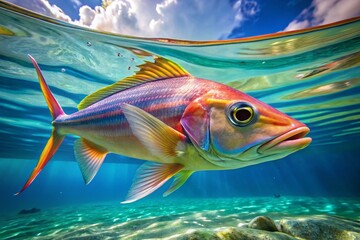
[
  {"x": 263, "y": 223},
  {"x": 242, "y": 233},
  {"x": 316, "y": 227},
  {"x": 321, "y": 227}
]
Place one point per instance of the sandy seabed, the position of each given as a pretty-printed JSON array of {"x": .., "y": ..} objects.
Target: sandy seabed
[{"x": 294, "y": 218}]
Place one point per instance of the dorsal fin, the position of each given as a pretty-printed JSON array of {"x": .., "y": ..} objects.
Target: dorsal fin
[{"x": 162, "y": 68}]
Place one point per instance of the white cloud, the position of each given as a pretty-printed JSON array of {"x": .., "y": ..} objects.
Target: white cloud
[
  {"x": 322, "y": 12},
  {"x": 195, "y": 20},
  {"x": 244, "y": 9},
  {"x": 298, "y": 25},
  {"x": 161, "y": 6},
  {"x": 87, "y": 16},
  {"x": 185, "y": 19},
  {"x": 118, "y": 17},
  {"x": 76, "y": 3},
  {"x": 43, "y": 7},
  {"x": 154, "y": 24}
]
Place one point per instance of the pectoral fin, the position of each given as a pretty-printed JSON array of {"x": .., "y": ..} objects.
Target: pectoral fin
[
  {"x": 179, "y": 179},
  {"x": 90, "y": 157},
  {"x": 149, "y": 177},
  {"x": 160, "y": 139}
]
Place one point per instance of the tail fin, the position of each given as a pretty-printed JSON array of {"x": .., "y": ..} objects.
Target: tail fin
[
  {"x": 53, "y": 105},
  {"x": 55, "y": 139},
  {"x": 51, "y": 147}
]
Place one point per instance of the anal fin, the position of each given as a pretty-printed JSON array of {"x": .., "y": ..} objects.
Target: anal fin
[
  {"x": 90, "y": 156},
  {"x": 149, "y": 177}
]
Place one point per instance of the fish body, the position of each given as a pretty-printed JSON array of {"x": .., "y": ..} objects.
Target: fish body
[
  {"x": 177, "y": 122},
  {"x": 105, "y": 123}
]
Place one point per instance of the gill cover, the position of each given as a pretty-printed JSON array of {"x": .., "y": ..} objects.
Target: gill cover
[{"x": 195, "y": 121}]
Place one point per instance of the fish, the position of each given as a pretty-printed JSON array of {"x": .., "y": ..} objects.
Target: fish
[{"x": 178, "y": 123}]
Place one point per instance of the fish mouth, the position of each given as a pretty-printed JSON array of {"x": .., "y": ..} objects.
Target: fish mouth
[{"x": 288, "y": 142}]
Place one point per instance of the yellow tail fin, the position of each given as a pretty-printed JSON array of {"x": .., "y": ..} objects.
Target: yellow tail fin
[
  {"x": 51, "y": 147},
  {"x": 54, "y": 106},
  {"x": 55, "y": 139}
]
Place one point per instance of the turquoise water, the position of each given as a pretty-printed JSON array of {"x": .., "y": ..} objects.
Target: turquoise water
[{"x": 311, "y": 75}]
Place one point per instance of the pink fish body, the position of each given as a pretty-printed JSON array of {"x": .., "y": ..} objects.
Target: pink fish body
[{"x": 177, "y": 122}]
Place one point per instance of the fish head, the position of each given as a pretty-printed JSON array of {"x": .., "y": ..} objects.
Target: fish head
[{"x": 232, "y": 129}]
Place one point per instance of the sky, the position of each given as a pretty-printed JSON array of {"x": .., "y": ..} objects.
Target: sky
[{"x": 195, "y": 19}]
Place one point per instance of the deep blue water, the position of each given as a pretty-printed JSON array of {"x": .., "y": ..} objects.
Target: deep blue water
[
  {"x": 312, "y": 173},
  {"x": 313, "y": 76}
]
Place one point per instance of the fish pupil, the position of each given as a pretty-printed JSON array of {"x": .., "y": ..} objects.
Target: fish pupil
[{"x": 242, "y": 115}]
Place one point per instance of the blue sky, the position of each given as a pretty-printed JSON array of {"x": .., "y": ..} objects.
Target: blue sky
[
  {"x": 196, "y": 20},
  {"x": 273, "y": 16}
]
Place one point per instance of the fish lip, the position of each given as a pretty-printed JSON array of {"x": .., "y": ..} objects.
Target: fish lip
[{"x": 294, "y": 140}]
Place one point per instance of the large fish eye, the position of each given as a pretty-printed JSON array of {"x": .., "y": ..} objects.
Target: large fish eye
[{"x": 241, "y": 114}]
